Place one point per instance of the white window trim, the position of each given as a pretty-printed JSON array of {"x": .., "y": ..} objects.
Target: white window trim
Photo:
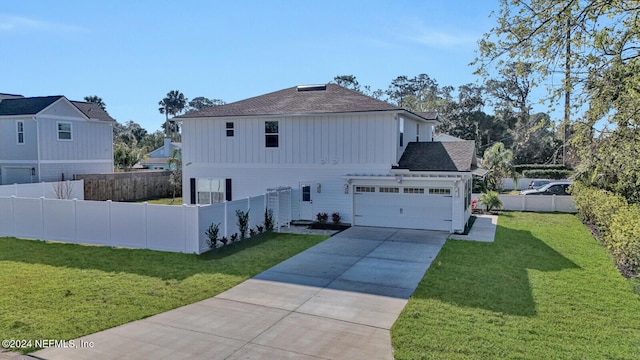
[
  {"x": 18, "y": 132},
  {"x": 70, "y": 130}
]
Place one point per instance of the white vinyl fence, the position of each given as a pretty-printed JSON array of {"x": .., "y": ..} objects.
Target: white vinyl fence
[
  {"x": 49, "y": 190},
  {"x": 133, "y": 225},
  {"x": 535, "y": 203}
]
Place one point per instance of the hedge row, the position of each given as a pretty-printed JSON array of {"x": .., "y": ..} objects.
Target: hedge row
[
  {"x": 523, "y": 167},
  {"x": 618, "y": 222},
  {"x": 547, "y": 174}
]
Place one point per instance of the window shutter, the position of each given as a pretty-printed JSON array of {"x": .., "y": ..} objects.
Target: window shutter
[
  {"x": 227, "y": 189},
  {"x": 192, "y": 185}
]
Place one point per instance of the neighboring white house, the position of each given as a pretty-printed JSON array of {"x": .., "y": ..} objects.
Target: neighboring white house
[
  {"x": 158, "y": 158},
  {"x": 51, "y": 138},
  {"x": 340, "y": 151}
]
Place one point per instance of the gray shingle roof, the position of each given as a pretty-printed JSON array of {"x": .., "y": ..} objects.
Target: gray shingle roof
[
  {"x": 438, "y": 156},
  {"x": 92, "y": 111},
  {"x": 26, "y": 106},
  {"x": 335, "y": 99}
]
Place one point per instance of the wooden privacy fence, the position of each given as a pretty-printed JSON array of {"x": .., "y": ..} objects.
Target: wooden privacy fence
[
  {"x": 535, "y": 203},
  {"x": 132, "y": 225},
  {"x": 126, "y": 186}
]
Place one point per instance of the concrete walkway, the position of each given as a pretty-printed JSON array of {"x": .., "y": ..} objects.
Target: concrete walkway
[
  {"x": 336, "y": 300},
  {"x": 483, "y": 229}
]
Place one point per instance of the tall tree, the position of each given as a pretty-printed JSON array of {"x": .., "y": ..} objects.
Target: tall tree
[
  {"x": 201, "y": 102},
  {"x": 173, "y": 104},
  {"x": 347, "y": 81},
  {"x": 96, "y": 100}
]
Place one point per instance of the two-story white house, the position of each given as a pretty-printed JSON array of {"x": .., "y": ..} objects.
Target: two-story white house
[
  {"x": 339, "y": 150},
  {"x": 51, "y": 138}
]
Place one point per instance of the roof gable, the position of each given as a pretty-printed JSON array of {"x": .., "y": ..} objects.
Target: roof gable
[
  {"x": 26, "y": 106},
  {"x": 329, "y": 98},
  {"x": 438, "y": 156}
]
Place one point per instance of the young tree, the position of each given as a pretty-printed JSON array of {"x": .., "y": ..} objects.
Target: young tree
[
  {"x": 175, "y": 172},
  {"x": 498, "y": 161}
]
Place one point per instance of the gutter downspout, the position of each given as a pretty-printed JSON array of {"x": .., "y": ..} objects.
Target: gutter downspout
[{"x": 37, "y": 144}]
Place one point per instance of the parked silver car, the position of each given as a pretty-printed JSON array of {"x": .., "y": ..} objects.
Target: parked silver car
[
  {"x": 552, "y": 188},
  {"x": 538, "y": 183}
]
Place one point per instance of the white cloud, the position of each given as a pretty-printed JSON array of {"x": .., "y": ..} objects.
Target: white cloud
[
  {"x": 10, "y": 22},
  {"x": 442, "y": 40}
]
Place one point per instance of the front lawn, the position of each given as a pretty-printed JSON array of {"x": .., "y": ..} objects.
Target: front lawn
[
  {"x": 545, "y": 289},
  {"x": 64, "y": 291}
]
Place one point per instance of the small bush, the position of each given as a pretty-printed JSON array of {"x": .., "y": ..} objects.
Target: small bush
[
  {"x": 491, "y": 200},
  {"x": 268, "y": 219},
  {"x": 243, "y": 223},
  {"x": 224, "y": 240},
  {"x": 252, "y": 233},
  {"x": 260, "y": 229},
  {"x": 322, "y": 217},
  {"x": 212, "y": 235},
  {"x": 234, "y": 237},
  {"x": 335, "y": 217},
  {"x": 524, "y": 167}
]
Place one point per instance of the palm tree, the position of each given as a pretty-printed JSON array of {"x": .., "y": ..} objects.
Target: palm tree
[
  {"x": 173, "y": 104},
  {"x": 175, "y": 168},
  {"x": 499, "y": 162},
  {"x": 96, "y": 100}
]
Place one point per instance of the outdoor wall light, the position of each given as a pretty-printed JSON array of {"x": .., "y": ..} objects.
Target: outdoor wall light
[
  {"x": 346, "y": 188},
  {"x": 318, "y": 188},
  {"x": 33, "y": 171}
]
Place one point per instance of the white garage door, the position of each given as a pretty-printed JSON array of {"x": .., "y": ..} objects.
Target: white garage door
[{"x": 403, "y": 207}]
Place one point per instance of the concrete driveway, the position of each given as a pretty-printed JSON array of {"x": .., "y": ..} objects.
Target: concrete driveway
[{"x": 336, "y": 300}]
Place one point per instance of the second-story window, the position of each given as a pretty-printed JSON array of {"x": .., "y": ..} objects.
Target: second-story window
[
  {"x": 20, "y": 132},
  {"x": 271, "y": 133},
  {"x": 64, "y": 131},
  {"x": 230, "y": 129}
]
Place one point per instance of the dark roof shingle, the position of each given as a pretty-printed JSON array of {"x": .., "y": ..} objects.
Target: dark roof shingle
[
  {"x": 26, "y": 106},
  {"x": 438, "y": 156},
  {"x": 335, "y": 99},
  {"x": 93, "y": 111}
]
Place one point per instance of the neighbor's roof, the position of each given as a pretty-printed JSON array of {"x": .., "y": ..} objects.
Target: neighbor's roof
[
  {"x": 33, "y": 105},
  {"x": 26, "y": 106},
  {"x": 93, "y": 111},
  {"x": 311, "y": 99},
  {"x": 439, "y": 156}
]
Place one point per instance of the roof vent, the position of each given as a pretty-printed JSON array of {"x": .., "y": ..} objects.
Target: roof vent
[{"x": 312, "y": 87}]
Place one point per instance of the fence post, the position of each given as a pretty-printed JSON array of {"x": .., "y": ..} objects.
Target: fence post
[
  {"x": 109, "y": 232},
  {"x": 524, "y": 202},
  {"x": 225, "y": 218},
  {"x": 15, "y": 189},
  {"x": 13, "y": 213},
  {"x": 75, "y": 221},
  {"x": 42, "y": 214},
  {"x": 42, "y": 188},
  {"x": 553, "y": 202},
  {"x": 146, "y": 225},
  {"x": 184, "y": 224}
]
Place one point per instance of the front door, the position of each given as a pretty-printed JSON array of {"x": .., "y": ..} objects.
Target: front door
[{"x": 306, "y": 202}]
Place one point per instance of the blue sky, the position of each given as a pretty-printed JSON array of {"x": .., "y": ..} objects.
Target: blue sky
[{"x": 131, "y": 53}]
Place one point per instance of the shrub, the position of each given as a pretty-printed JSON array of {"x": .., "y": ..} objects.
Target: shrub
[
  {"x": 268, "y": 219},
  {"x": 224, "y": 240},
  {"x": 491, "y": 200},
  {"x": 322, "y": 217},
  {"x": 524, "y": 167},
  {"x": 623, "y": 238},
  {"x": 547, "y": 174},
  {"x": 212, "y": 235},
  {"x": 252, "y": 232},
  {"x": 243, "y": 223},
  {"x": 234, "y": 237},
  {"x": 260, "y": 229},
  {"x": 335, "y": 217}
]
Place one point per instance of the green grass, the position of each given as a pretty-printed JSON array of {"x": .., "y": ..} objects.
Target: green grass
[
  {"x": 64, "y": 291},
  {"x": 545, "y": 289}
]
